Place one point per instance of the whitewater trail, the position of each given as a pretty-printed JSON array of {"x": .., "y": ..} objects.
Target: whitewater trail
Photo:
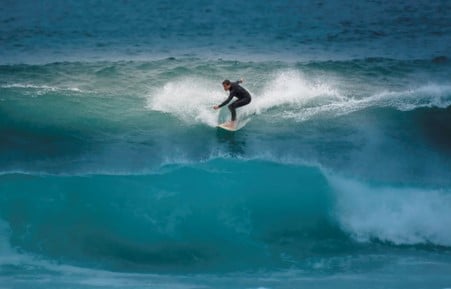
[{"x": 288, "y": 95}]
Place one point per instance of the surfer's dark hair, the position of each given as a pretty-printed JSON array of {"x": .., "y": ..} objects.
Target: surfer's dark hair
[{"x": 226, "y": 82}]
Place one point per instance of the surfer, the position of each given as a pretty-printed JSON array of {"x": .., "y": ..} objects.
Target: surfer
[{"x": 235, "y": 90}]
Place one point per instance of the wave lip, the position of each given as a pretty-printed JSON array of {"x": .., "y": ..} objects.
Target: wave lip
[{"x": 402, "y": 216}]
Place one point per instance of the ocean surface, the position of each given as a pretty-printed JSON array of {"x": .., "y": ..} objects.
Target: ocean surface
[{"x": 114, "y": 175}]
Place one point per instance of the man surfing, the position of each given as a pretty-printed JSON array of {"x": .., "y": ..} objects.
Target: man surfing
[{"x": 235, "y": 90}]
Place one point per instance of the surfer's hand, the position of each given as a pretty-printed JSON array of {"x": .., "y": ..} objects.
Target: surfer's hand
[{"x": 216, "y": 107}]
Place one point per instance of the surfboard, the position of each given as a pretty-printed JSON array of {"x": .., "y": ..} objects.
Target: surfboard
[{"x": 223, "y": 126}]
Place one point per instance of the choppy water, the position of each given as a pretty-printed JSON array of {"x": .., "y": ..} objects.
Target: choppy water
[{"x": 113, "y": 174}]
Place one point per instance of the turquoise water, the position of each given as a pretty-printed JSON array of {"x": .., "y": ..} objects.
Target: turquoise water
[{"x": 113, "y": 173}]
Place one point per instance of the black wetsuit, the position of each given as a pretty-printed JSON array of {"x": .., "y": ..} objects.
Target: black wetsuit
[{"x": 242, "y": 94}]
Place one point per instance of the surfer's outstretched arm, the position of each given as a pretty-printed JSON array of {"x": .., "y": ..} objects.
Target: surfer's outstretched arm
[{"x": 226, "y": 101}]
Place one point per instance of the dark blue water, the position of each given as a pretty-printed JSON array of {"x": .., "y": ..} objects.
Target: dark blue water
[
  {"x": 113, "y": 173},
  {"x": 50, "y": 31}
]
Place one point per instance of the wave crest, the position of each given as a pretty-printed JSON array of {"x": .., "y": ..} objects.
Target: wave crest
[{"x": 397, "y": 215}]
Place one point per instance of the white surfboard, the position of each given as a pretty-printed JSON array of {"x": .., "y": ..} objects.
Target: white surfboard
[{"x": 223, "y": 126}]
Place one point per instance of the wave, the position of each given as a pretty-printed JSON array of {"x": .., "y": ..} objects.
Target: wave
[
  {"x": 180, "y": 218},
  {"x": 285, "y": 95},
  {"x": 143, "y": 115},
  {"x": 200, "y": 216},
  {"x": 187, "y": 88},
  {"x": 404, "y": 146}
]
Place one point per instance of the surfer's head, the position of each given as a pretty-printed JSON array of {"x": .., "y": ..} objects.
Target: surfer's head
[{"x": 226, "y": 84}]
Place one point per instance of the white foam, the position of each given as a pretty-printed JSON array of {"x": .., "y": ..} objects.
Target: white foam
[
  {"x": 296, "y": 96},
  {"x": 398, "y": 215},
  {"x": 291, "y": 87},
  {"x": 429, "y": 95},
  {"x": 190, "y": 100},
  {"x": 307, "y": 99},
  {"x": 41, "y": 88}
]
